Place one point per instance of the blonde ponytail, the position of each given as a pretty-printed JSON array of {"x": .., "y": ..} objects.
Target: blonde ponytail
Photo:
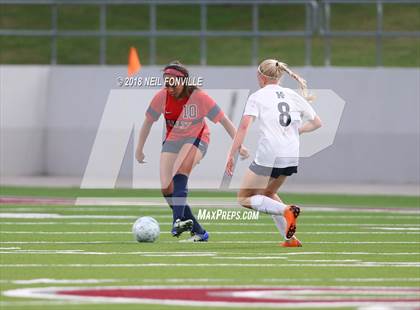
[{"x": 274, "y": 69}]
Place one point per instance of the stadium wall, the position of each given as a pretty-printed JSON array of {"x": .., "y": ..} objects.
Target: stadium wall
[{"x": 50, "y": 117}]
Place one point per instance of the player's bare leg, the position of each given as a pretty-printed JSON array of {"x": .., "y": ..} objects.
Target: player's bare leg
[
  {"x": 252, "y": 184},
  {"x": 252, "y": 195},
  {"x": 260, "y": 193},
  {"x": 166, "y": 167},
  {"x": 188, "y": 157}
]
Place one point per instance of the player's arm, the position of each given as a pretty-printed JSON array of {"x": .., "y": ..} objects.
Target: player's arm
[
  {"x": 237, "y": 141},
  {"x": 228, "y": 125},
  {"x": 231, "y": 130},
  {"x": 313, "y": 122},
  {"x": 311, "y": 125},
  {"x": 144, "y": 133},
  {"x": 152, "y": 114}
]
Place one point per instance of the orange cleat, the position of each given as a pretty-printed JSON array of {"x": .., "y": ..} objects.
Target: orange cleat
[
  {"x": 291, "y": 214},
  {"x": 292, "y": 243}
]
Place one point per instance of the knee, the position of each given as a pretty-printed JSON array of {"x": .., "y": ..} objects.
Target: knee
[
  {"x": 166, "y": 183},
  {"x": 166, "y": 191},
  {"x": 243, "y": 199}
]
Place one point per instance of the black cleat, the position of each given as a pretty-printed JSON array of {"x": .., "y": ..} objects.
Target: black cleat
[{"x": 180, "y": 226}]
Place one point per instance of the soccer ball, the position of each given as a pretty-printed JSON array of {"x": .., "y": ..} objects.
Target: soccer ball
[{"x": 146, "y": 229}]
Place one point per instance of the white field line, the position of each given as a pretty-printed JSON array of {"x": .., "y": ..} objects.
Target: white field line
[
  {"x": 204, "y": 243},
  {"x": 290, "y": 260},
  {"x": 361, "y": 264},
  {"x": 202, "y": 254},
  {"x": 75, "y": 252},
  {"x": 158, "y": 201},
  {"x": 161, "y": 209},
  {"x": 73, "y": 209},
  {"x": 87, "y": 223},
  {"x": 317, "y": 253},
  {"x": 363, "y": 217},
  {"x": 46, "y": 303},
  {"x": 212, "y": 232},
  {"x": 318, "y": 242},
  {"x": 396, "y": 228},
  {"x": 407, "y": 211},
  {"x": 64, "y": 281},
  {"x": 216, "y": 223},
  {"x": 113, "y": 217},
  {"x": 75, "y": 223},
  {"x": 138, "y": 201},
  {"x": 201, "y": 280},
  {"x": 57, "y": 216}
]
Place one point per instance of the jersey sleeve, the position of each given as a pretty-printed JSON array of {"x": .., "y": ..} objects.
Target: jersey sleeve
[
  {"x": 157, "y": 106},
  {"x": 211, "y": 110},
  {"x": 251, "y": 107}
]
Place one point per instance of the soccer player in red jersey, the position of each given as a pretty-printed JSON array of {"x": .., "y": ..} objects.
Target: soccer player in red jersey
[{"x": 185, "y": 108}]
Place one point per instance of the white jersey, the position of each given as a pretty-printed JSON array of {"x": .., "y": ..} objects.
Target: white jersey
[{"x": 280, "y": 111}]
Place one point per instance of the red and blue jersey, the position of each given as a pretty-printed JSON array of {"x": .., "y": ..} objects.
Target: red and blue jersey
[{"x": 185, "y": 117}]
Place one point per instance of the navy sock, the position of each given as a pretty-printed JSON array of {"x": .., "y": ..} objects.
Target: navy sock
[
  {"x": 196, "y": 226},
  {"x": 179, "y": 196},
  {"x": 188, "y": 215}
]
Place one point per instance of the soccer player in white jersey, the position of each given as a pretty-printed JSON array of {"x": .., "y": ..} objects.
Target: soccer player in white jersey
[{"x": 283, "y": 115}]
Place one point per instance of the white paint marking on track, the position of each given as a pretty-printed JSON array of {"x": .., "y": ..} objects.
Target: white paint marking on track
[
  {"x": 213, "y": 232},
  {"x": 395, "y": 228},
  {"x": 361, "y": 264},
  {"x": 113, "y": 217},
  {"x": 288, "y": 259},
  {"x": 56, "y": 216},
  {"x": 46, "y": 303},
  {"x": 211, "y": 206},
  {"x": 78, "y": 252},
  {"x": 203, "y": 243},
  {"x": 249, "y": 256},
  {"x": 64, "y": 281},
  {"x": 207, "y": 280},
  {"x": 230, "y": 224},
  {"x": 73, "y": 223}
]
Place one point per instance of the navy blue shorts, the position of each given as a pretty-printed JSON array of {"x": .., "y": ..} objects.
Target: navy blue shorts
[
  {"x": 272, "y": 172},
  {"x": 175, "y": 146}
]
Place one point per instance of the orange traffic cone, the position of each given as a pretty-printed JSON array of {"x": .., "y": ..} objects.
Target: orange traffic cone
[{"x": 134, "y": 64}]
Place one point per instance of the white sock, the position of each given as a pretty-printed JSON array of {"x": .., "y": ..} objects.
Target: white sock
[
  {"x": 267, "y": 205},
  {"x": 281, "y": 224}
]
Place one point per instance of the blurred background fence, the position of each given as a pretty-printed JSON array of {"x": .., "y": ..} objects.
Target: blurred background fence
[{"x": 303, "y": 32}]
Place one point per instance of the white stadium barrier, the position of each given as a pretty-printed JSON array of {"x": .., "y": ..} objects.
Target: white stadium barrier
[{"x": 50, "y": 117}]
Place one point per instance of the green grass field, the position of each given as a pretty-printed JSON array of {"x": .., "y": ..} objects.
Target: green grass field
[
  {"x": 397, "y": 52},
  {"x": 348, "y": 241}
]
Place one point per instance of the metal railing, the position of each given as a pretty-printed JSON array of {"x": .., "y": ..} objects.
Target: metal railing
[{"x": 317, "y": 23}]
